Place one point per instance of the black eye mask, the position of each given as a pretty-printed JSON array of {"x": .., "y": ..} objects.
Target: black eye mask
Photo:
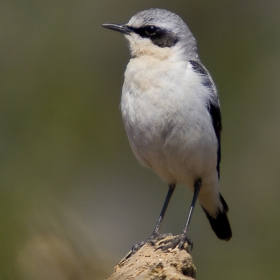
[{"x": 159, "y": 36}]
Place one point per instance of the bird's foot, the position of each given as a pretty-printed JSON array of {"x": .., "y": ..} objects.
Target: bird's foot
[
  {"x": 153, "y": 239},
  {"x": 181, "y": 241}
]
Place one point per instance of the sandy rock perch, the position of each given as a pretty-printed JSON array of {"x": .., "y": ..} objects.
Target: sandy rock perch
[{"x": 148, "y": 264}]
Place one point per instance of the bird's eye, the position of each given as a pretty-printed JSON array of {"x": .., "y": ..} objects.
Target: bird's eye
[{"x": 151, "y": 30}]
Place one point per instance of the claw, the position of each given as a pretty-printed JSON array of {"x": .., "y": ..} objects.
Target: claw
[
  {"x": 153, "y": 239},
  {"x": 137, "y": 246},
  {"x": 181, "y": 241}
]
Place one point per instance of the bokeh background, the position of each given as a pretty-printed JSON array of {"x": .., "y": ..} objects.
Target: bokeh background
[{"x": 73, "y": 198}]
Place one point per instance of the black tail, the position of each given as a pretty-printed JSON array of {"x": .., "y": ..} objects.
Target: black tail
[{"x": 220, "y": 224}]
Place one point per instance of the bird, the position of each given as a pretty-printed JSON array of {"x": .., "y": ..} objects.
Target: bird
[{"x": 171, "y": 113}]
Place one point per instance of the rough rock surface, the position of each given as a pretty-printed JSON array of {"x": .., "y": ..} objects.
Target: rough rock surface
[{"x": 148, "y": 263}]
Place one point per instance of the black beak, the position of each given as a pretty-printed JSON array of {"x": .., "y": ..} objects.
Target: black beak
[{"x": 118, "y": 27}]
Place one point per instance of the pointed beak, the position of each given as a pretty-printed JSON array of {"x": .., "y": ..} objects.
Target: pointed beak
[{"x": 118, "y": 27}]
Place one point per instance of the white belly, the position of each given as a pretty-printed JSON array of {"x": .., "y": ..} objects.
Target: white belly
[{"x": 168, "y": 125}]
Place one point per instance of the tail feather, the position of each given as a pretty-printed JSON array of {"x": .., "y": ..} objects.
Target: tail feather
[{"x": 220, "y": 224}]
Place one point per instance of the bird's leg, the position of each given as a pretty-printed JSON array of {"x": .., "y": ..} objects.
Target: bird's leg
[
  {"x": 155, "y": 236},
  {"x": 155, "y": 233},
  {"x": 182, "y": 239}
]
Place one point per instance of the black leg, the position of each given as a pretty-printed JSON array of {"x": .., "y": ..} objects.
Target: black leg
[
  {"x": 163, "y": 210},
  {"x": 155, "y": 236},
  {"x": 182, "y": 239},
  {"x": 197, "y": 186}
]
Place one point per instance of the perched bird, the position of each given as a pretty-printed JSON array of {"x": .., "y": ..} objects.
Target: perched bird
[{"x": 171, "y": 113}]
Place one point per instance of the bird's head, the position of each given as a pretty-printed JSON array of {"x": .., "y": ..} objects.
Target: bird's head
[{"x": 158, "y": 33}]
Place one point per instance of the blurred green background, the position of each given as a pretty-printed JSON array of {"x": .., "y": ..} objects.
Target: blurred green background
[{"x": 73, "y": 198}]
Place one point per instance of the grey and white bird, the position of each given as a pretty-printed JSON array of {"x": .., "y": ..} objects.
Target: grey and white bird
[{"x": 171, "y": 113}]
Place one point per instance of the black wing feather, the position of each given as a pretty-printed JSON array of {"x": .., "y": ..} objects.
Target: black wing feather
[
  {"x": 220, "y": 224},
  {"x": 213, "y": 105}
]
